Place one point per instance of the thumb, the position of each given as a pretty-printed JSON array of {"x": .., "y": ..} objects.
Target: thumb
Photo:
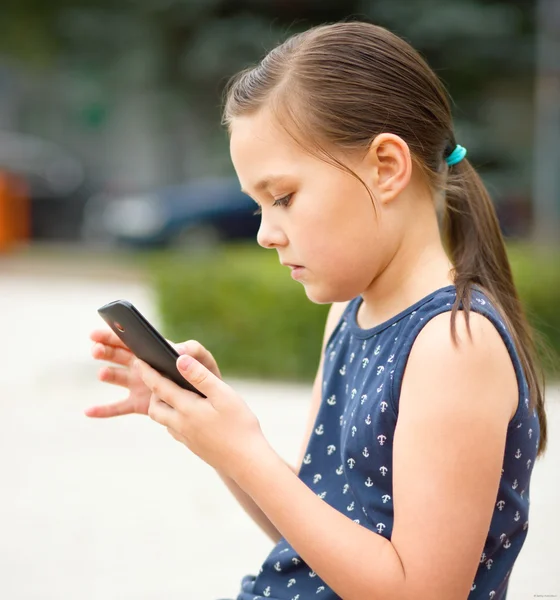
[{"x": 197, "y": 374}]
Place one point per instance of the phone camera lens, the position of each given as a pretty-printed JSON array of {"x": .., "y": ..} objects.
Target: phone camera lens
[{"x": 119, "y": 326}]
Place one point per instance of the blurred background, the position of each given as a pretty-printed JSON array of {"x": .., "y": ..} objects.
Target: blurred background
[{"x": 115, "y": 181}]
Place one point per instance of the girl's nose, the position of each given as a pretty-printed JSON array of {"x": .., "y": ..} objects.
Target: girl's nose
[{"x": 270, "y": 236}]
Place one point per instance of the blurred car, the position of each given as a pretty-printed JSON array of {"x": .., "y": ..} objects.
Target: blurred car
[
  {"x": 198, "y": 214},
  {"x": 55, "y": 181}
]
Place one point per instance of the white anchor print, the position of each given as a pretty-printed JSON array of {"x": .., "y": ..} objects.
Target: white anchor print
[
  {"x": 529, "y": 464},
  {"x": 342, "y": 371},
  {"x": 365, "y": 452},
  {"x": 368, "y": 482},
  {"x": 380, "y": 369},
  {"x": 522, "y": 492},
  {"x": 320, "y": 589},
  {"x": 483, "y": 557},
  {"x": 368, "y": 420},
  {"x": 296, "y": 597},
  {"x": 341, "y": 419},
  {"x": 383, "y": 470},
  {"x": 357, "y": 521},
  {"x": 365, "y": 363},
  {"x": 492, "y": 593},
  {"x": 345, "y": 488},
  {"x": 377, "y": 350},
  {"x": 519, "y": 426},
  {"x": 525, "y": 525},
  {"x": 317, "y": 477},
  {"x": 503, "y": 538},
  {"x": 514, "y": 485},
  {"x": 331, "y": 449},
  {"x": 266, "y": 591},
  {"x": 527, "y": 402},
  {"x": 354, "y": 429},
  {"x": 379, "y": 388},
  {"x": 517, "y": 516},
  {"x": 412, "y": 314},
  {"x": 481, "y": 301},
  {"x": 322, "y": 495},
  {"x": 307, "y": 459},
  {"x": 351, "y": 462},
  {"x": 363, "y": 398},
  {"x": 385, "y": 498},
  {"x": 312, "y": 574},
  {"x": 507, "y": 544},
  {"x": 381, "y": 439},
  {"x": 296, "y": 560},
  {"x": 291, "y": 582},
  {"x": 391, "y": 358},
  {"x": 518, "y": 453},
  {"x": 380, "y": 527},
  {"x": 530, "y": 432},
  {"x": 364, "y": 345},
  {"x": 489, "y": 563},
  {"x": 473, "y": 587},
  {"x": 332, "y": 400},
  {"x": 346, "y": 387},
  {"x": 352, "y": 356},
  {"x": 283, "y": 551},
  {"x": 383, "y": 405},
  {"x": 353, "y": 394},
  {"x": 277, "y": 567},
  {"x": 332, "y": 355},
  {"x": 340, "y": 470},
  {"x": 320, "y": 430},
  {"x": 350, "y": 507},
  {"x": 501, "y": 505}
]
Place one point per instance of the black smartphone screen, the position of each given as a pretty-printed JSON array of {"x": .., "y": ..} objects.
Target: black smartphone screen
[{"x": 144, "y": 341}]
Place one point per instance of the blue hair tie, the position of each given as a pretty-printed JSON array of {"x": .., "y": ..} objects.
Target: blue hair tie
[{"x": 456, "y": 156}]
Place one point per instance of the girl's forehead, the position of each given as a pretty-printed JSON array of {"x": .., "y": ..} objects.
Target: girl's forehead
[{"x": 259, "y": 145}]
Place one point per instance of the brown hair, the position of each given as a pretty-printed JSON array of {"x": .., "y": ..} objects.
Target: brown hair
[{"x": 345, "y": 83}]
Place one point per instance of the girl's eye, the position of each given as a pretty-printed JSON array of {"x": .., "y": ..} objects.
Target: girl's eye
[{"x": 283, "y": 201}]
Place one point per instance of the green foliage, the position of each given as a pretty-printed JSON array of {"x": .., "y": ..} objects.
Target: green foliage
[
  {"x": 537, "y": 277},
  {"x": 243, "y": 306}
]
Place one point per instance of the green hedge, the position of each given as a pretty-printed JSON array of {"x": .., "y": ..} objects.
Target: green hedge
[{"x": 244, "y": 307}]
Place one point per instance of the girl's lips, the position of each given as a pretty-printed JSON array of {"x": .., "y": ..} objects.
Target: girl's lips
[{"x": 296, "y": 271}]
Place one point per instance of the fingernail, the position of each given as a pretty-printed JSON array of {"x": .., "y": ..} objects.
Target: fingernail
[{"x": 185, "y": 361}]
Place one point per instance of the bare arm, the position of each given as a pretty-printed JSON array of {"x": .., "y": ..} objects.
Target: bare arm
[{"x": 246, "y": 502}]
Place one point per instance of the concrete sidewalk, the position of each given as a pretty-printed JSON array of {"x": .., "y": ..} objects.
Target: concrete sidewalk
[{"x": 117, "y": 510}]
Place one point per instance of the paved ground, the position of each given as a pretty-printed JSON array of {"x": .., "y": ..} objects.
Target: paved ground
[{"x": 116, "y": 510}]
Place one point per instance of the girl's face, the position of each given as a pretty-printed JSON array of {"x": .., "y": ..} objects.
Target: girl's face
[{"x": 320, "y": 219}]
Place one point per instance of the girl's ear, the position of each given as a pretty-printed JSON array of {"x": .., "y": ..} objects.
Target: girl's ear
[{"x": 389, "y": 166}]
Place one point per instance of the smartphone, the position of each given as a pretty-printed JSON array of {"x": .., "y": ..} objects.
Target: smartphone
[{"x": 144, "y": 341}]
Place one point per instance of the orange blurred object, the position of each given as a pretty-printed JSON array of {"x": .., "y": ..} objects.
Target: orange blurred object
[{"x": 14, "y": 211}]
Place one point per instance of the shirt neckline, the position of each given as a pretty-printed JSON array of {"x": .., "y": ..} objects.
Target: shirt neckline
[{"x": 359, "y": 332}]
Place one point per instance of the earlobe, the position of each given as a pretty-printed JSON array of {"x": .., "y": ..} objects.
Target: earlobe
[{"x": 390, "y": 156}]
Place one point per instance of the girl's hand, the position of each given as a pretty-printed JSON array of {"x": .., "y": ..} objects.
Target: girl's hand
[
  {"x": 220, "y": 429},
  {"x": 109, "y": 347}
]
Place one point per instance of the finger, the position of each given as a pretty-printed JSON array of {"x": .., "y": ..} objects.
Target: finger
[
  {"x": 118, "y": 355},
  {"x": 108, "y": 337},
  {"x": 161, "y": 387},
  {"x": 115, "y": 376},
  {"x": 201, "y": 377},
  {"x": 123, "y": 407},
  {"x": 198, "y": 351},
  {"x": 161, "y": 412}
]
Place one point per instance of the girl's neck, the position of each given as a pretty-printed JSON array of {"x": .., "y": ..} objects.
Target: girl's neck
[{"x": 411, "y": 275}]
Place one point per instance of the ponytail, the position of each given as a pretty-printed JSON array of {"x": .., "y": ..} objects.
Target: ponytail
[{"x": 472, "y": 236}]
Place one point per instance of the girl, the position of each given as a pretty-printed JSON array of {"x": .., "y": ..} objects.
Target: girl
[{"x": 427, "y": 411}]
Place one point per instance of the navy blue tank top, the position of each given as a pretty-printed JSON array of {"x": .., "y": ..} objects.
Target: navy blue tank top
[{"x": 349, "y": 458}]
